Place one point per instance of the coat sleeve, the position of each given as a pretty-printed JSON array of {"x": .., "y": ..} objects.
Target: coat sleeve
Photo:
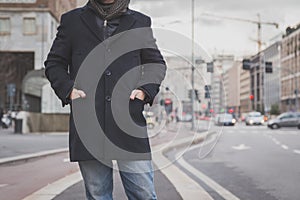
[
  {"x": 57, "y": 64},
  {"x": 154, "y": 68}
]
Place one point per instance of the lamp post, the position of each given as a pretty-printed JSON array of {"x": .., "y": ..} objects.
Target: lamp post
[
  {"x": 193, "y": 63},
  {"x": 42, "y": 6}
]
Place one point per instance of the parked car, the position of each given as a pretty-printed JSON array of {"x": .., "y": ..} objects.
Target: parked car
[
  {"x": 6, "y": 121},
  {"x": 254, "y": 118},
  {"x": 184, "y": 113},
  {"x": 184, "y": 117},
  {"x": 225, "y": 119},
  {"x": 288, "y": 119}
]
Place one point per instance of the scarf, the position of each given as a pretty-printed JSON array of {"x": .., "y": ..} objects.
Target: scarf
[{"x": 110, "y": 11}]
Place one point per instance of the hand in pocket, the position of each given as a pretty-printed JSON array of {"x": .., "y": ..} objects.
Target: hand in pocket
[
  {"x": 75, "y": 94},
  {"x": 139, "y": 94}
]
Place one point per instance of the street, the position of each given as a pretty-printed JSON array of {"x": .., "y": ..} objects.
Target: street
[
  {"x": 248, "y": 162},
  {"x": 235, "y": 162}
]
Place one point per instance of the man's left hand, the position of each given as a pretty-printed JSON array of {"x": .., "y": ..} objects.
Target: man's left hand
[{"x": 137, "y": 94}]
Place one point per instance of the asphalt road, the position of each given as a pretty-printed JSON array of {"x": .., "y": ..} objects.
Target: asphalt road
[
  {"x": 12, "y": 144},
  {"x": 247, "y": 163}
]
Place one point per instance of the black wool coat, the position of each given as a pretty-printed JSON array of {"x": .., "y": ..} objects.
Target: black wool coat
[{"x": 78, "y": 34}]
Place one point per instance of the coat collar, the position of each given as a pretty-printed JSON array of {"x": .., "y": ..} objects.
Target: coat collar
[{"x": 88, "y": 16}]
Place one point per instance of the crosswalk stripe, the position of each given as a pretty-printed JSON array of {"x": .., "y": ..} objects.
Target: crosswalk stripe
[
  {"x": 3, "y": 185},
  {"x": 284, "y": 147},
  {"x": 297, "y": 151}
]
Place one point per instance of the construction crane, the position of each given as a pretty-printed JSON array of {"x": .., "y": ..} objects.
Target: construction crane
[{"x": 258, "y": 22}]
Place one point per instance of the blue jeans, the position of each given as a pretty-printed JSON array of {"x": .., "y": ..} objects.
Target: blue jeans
[{"x": 137, "y": 179}]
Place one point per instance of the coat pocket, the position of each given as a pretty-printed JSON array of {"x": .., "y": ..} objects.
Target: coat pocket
[{"x": 136, "y": 108}]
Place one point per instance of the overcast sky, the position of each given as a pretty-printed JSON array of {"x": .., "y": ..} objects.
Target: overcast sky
[{"x": 219, "y": 35}]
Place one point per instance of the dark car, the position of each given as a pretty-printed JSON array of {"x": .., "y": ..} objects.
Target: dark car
[{"x": 288, "y": 119}]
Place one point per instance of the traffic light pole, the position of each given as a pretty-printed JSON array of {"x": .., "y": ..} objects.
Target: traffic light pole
[{"x": 193, "y": 65}]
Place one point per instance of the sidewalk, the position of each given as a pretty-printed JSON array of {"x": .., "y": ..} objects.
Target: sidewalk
[
  {"x": 167, "y": 186},
  {"x": 164, "y": 188}
]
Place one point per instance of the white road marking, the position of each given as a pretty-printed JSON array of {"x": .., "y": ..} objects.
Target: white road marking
[
  {"x": 296, "y": 151},
  {"x": 211, "y": 183},
  {"x": 289, "y": 132},
  {"x": 284, "y": 147},
  {"x": 66, "y": 160},
  {"x": 3, "y": 185},
  {"x": 53, "y": 189},
  {"x": 276, "y": 141},
  {"x": 241, "y": 147}
]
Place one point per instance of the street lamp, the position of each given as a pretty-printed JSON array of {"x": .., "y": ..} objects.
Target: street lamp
[
  {"x": 42, "y": 6},
  {"x": 193, "y": 62}
]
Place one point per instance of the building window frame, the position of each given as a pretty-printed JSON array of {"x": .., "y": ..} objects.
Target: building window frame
[
  {"x": 8, "y": 31},
  {"x": 34, "y": 25}
]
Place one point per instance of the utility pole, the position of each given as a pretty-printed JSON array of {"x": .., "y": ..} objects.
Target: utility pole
[
  {"x": 193, "y": 64},
  {"x": 296, "y": 80},
  {"x": 42, "y": 15}
]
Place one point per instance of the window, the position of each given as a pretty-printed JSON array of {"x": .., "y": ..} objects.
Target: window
[
  {"x": 29, "y": 26},
  {"x": 4, "y": 26}
]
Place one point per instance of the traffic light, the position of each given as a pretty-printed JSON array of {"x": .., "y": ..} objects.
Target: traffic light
[
  {"x": 246, "y": 64},
  {"x": 210, "y": 67},
  {"x": 168, "y": 105},
  {"x": 207, "y": 89},
  {"x": 268, "y": 67},
  {"x": 251, "y": 97},
  {"x": 162, "y": 102},
  {"x": 196, "y": 94},
  {"x": 207, "y": 95}
]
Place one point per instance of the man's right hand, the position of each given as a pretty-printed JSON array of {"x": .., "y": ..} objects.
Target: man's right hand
[{"x": 75, "y": 94}]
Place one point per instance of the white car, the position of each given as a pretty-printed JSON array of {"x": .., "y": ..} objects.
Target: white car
[{"x": 254, "y": 118}]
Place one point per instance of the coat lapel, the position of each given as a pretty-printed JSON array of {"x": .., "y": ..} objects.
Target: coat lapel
[
  {"x": 89, "y": 19},
  {"x": 126, "y": 22}
]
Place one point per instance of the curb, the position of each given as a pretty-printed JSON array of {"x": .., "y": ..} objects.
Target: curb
[
  {"x": 187, "y": 188},
  {"x": 26, "y": 157},
  {"x": 53, "y": 189}
]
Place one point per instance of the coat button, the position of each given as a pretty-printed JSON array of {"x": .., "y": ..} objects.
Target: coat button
[
  {"x": 108, "y": 98},
  {"x": 108, "y": 73}
]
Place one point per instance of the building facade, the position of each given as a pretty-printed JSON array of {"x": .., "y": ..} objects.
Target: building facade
[
  {"x": 245, "y": 102},
  {"x": 257, "y": 83},
  {"x": 272, "y": 83},
  {"x": 290, "y": 69},
  {"x": 221, "y": 64},
  {"x": 27, "y": 29},
  {"x": 232, "y": 88}
]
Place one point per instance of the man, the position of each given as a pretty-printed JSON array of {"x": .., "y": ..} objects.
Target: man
[{"x": 82, "y": 30}]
